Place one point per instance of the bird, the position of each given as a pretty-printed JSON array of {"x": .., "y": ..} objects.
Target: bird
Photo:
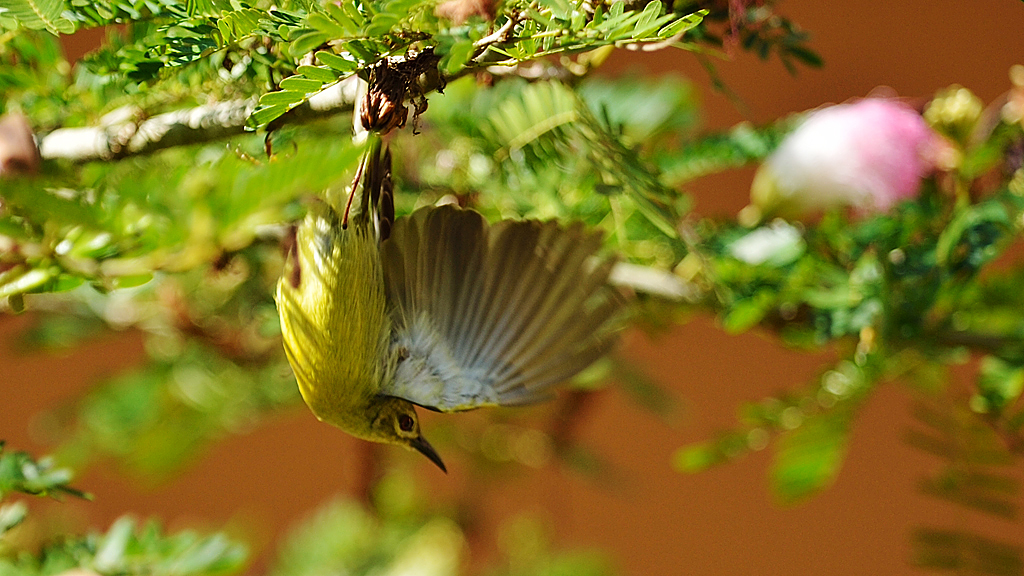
[{"x": 439, "y": 309}]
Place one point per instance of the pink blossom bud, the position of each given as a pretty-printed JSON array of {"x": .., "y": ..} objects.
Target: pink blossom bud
[{"x": 868, "y": 155}]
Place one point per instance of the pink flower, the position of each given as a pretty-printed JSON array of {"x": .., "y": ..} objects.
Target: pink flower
[{"x": 868, "y": 155}]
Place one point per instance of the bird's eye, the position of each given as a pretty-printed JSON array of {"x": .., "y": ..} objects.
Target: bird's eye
[{"x": 405, "y": 423}]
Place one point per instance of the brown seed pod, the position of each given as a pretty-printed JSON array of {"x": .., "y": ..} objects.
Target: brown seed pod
[{"x": 383, "y": 108}]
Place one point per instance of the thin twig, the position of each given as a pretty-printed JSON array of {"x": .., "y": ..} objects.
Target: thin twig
[
  {"x": 991, "y": 343},
  {"x": 501, "y": 34},
  {"x": 655, "y": 46}
]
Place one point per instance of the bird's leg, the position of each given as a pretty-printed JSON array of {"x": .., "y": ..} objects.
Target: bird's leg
[
  {"x": 291, "y": 248},
  {"x": 352, "y": 192}
]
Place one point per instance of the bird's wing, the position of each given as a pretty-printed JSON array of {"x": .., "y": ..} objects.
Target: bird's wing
[{"x": 493, "y": 315}]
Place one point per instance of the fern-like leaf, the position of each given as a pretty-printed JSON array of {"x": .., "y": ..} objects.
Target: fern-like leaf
[
  {"x": 39, "y": 15},
  {"x": 965, "y": 553},
  {"x": 973, "y": 456}
]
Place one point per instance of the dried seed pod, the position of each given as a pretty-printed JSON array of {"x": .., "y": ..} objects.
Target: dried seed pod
[{"x": 382, "y": 108}]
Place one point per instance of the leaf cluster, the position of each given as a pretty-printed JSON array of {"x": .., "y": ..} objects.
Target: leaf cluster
[
  {"x": 358, "y": 35},
  {"x": 977, "y": 473},
  {"x": 756, "y": 27},
  {"x": 124, "y": 548},
  {"x": 19, "y": 472},
  {"x": 127, "y": 548}
]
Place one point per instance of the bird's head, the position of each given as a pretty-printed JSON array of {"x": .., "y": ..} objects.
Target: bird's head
[{"x": 394, "y": 421}]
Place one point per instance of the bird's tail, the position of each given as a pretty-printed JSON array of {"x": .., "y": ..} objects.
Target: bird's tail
[{"x": 373, "y": 182}]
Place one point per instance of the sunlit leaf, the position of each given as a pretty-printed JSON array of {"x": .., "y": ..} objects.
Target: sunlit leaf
[{"x": 808, "y": 458}]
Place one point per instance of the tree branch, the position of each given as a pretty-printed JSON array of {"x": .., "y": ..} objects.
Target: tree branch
[
  {"x": 989, "y": 343},
  {"x": 654, "y": 281},
  {"x": 128, "y": 132},
  {"x": 122, "y": 133}
]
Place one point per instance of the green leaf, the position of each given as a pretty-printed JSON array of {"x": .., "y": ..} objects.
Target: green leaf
[
  {"x": 977, "y": 471},
  {"x": 717, "y": 152},
  {"x": 20, "y": 280},
  {"x": 598, "y": 17},
  {"x": 808, "y": 458},
  {"x": 11, "y": 515},
  {"x": 1000, "y": 383},
  {"x": 381, "y": 24},
  {"x": 350, "y": 9},
  {"x": 300, "y": 84},
  {"x": 559, "y": 8},
  {"x": 324, "y": 75},
  {"x": 39, "y": 14},
  {"x": 238, "y": 24},
  {"x": 697, "y": 457},
  {"x": 543, "y": 108},
  {"x": 579, "y": 20},
  {"x": 747, "y": 313},
  {"x": 458, "y": 56},
  {"x": 540, "y": 17},
  {"x": 645, "y": 24},
  {"x": 956, "y": 241},
  {"x": 194, "y": 8},
  {"x": 806, "y": 55},
  {"x": 364, "y": 51},
  {"x": 348, "y": 26},
  {"x": 216, "y": 554},
  {"x": 130, "y": 281},
  {"x": 683, "y": 24},
  {"x": 306, "y": 43},
  {"x": 336, "y": 62},
  {"x": 283, "y": 97},
  {"x": 110, "y": 550},
  {"x": 703, "y": 455},
  {"x": 64, "y": 282},
  {"x": 326, "y": 25},
  {"x": 128, "y": 549},
  {"x": 264, "y": 116}
]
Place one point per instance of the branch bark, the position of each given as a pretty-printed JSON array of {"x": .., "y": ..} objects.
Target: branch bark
[
  {"x": 121, "y": 133},
  {"x": 654, "y": 281},
  {"x": 125, "y": 133}
]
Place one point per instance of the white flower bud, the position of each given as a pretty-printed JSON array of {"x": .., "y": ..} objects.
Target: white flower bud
[{"x": 777, "y": 244}]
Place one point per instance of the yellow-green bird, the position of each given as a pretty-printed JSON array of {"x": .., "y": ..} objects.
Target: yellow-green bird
[{"x": 439, "y": 309}]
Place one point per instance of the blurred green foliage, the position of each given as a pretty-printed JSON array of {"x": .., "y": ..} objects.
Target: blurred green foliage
[
  {"x": 400, "y": 533},
  {"x": 19, "y": 472},
  {"x": 124, "y": 549},
  {"x": 130, "y": 549}
]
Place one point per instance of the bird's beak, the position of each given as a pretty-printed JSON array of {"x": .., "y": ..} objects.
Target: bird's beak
[{"x": 427, "y": 450}]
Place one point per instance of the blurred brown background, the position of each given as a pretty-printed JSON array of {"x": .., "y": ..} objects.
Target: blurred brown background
[{"x": 652, "y": 521}]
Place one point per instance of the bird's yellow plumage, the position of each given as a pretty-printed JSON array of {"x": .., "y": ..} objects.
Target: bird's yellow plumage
[
  {"x": 446, "y": 311},
  {"x": 333, "y": 320}
]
